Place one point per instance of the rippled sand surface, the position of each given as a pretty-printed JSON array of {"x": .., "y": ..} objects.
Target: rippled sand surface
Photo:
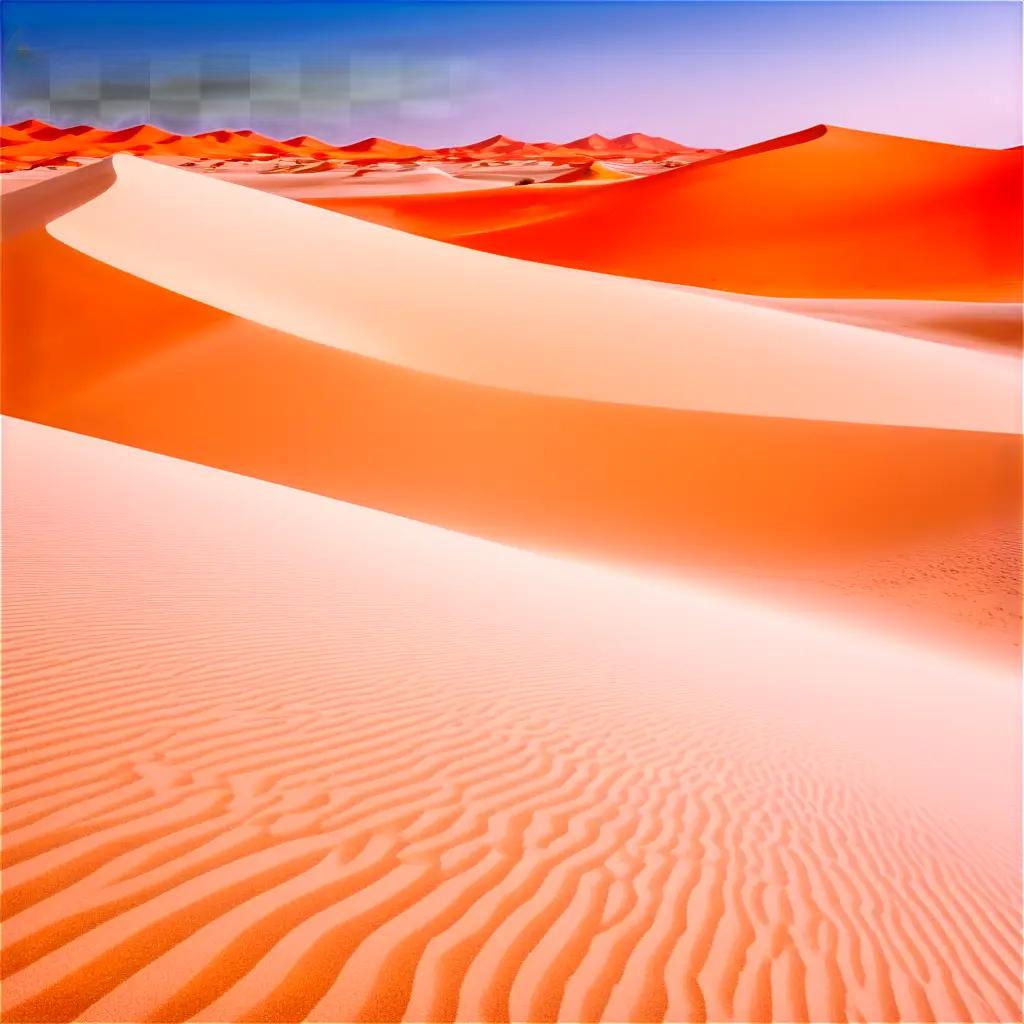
[{"x": 270, "y": 756}]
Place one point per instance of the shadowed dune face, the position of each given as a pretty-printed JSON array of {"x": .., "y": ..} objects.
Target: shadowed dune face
[
  {"x": 446, "y": 217},
  {"x": 645, "y": 485},
  {"x": 279, "y": 758},
  {"x": 595, "y": 171},
  {"x": 32, "y": 208},
  {"x": 823, "y": 213}
]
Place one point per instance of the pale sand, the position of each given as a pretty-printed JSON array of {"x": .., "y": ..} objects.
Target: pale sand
[
  {"x": 514, "y": 324},
  {"x": 269, "y": 756},
  {"x": 343, "y": 182},
  {"x": 743, "y": 497},
  {"x": 340, "y": 182},
  {"x": 996, "y": 326}
]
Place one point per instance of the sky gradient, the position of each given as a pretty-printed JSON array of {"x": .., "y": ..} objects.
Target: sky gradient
[{"x": 434, "y": 72}]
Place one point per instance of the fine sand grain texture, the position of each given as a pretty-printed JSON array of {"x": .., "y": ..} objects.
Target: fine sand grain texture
[{"x": 269, "y": 756}]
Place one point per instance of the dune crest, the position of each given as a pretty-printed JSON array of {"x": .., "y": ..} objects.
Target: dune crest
[
  {"x": 826, "y": 212},
  {"x": 35, "y": 142},
  {"x": 594, "y": 171},
  {"x": 672, "y": 489},
  {"x": 697, "y": 353}
]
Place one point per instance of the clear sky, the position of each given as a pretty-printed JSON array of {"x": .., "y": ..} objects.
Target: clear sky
[{"x": 435, "y": 72}]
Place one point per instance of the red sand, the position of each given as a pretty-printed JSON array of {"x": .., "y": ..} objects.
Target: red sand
[
  {"x": 827, "y": 212},
  {"x": 32, "y": 142}
]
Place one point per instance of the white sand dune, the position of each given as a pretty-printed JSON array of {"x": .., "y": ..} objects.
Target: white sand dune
[
  {"x": 495, "y": 321},
  {"x": 269, "y": 756}
]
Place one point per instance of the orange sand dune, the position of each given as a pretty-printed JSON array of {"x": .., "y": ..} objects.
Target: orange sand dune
[
  {"x": 307, "y": 140},
  {"x": 827, "y": 212},
  {"x": 636, "y": 145},
  {"x": 35, "y": 141},
  {"x": 670, "y": 487},
  {"x": 49, "y": 146},
  {"x": 519, "y": 325},
  {"x": 337, "y": 178},
  {"x": 140, "y": 135},
  {"x": 315, "y": 168},
  {"x": 243, "y": 142},
  {"x": 501, "y": 147},
  {"x": 272, "y": 757},
  {"x": 447, "y": 217},
  {"x": 654, "y": 144},
  {"x": 10, "y": 136},
  {"x": 594, "y": 171},
  {"x": 382, "y": 149}
]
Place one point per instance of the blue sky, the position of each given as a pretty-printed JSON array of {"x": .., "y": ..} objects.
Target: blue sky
[{"x": 435, "y": 72}]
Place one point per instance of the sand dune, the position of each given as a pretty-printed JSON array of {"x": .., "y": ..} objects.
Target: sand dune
[
  {"x": 672, "y": 488},
  {"x": 597, "y": 170},
  {"x": 448, "y": 780},
  {"x": 634, "y": 145},
  {"x": 996, "y": 326},
  {"x": 518, "y": 325},
  {"x": 46, "y": 200},
  {"x": 335, "y": 181},
  {"x": 270, "y": 755},
  {"x": 246, "y": 141},
  {"x": 315, "y": 168},
  {"x": 827, "y": 212},
  {"x": 382, "y": 149},
  {"x": 446, "y": 217},
  {"x": 34, "y": 141}
]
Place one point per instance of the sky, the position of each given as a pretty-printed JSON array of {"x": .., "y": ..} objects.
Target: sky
[{"x": 434, "y": 72}]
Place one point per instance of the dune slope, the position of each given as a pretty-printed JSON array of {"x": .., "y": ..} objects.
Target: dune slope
[
  {"x": 668, "y": 488},
  {"x": 445, "y": 780},
  {"x": 827, "y": 212},
  {"x": 448, "y": 216},
  {"x": 514, "y": 324}
]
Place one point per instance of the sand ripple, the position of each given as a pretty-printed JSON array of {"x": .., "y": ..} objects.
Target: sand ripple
[{"x": 269, "y": 756}]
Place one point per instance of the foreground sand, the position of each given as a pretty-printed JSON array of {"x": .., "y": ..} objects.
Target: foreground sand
[{"x": 270, "y": 756}]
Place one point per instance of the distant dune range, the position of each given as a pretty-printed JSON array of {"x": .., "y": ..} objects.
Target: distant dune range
[
  {"x": 34, "y": 143},
  {"x": 525, "y": 406},
  {"x": 827, "y": 212},
  {"x": 270, "y": 757}
]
